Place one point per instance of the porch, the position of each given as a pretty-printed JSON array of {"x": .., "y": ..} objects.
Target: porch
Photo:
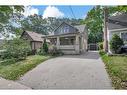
[{"x": 68, "y": 44}]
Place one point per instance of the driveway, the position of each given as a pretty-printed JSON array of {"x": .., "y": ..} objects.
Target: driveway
[
  {"x": 8, "y": 84},
  {"x": 86, "y": 71}
]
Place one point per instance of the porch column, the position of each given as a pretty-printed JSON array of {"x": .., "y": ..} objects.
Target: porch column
[
  {"x": 58, "y": 42},
  {"x": 77, "y": 44},
  {"x": 83, "y": 44}
]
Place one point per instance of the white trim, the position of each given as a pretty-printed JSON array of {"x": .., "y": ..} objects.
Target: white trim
[
  {"x": 118, "y": 29},
  {"x": 122, "y": 32}
]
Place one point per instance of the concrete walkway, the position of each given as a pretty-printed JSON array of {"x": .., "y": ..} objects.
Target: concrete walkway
[
  {"x": 85, "y": 71},
  {"x": 7, "y": 84}
]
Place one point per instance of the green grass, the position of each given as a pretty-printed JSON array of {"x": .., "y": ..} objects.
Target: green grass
[
  {"x": 117, "y": 69},
  {"x": 16, "y": 70}
]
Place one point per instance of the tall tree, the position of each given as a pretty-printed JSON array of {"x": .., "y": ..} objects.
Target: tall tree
[{"x": 6, "y": 13}]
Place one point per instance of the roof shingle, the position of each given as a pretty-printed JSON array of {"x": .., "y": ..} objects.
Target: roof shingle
[
  {"x": 35, "y": 36},
  {"x": 117, "y": 22}
]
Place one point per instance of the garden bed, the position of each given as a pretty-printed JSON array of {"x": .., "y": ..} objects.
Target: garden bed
[
  {"x": 17, "y": 69},
  {"x": 117, "y": 68}
]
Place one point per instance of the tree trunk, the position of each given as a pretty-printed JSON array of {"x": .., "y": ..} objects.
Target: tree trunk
[{"x": 105, "y": 45}]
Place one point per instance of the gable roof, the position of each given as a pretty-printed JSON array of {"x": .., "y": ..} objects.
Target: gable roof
[
  {"x": 35, "y": 36},
  {"x": 64, "y": 23},
  {"x": 117, "y": 22},
  {"x": 80, "y": 28}
]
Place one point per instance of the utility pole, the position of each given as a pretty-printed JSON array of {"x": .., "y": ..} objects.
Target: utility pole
[{"x": 105, "y": 44}]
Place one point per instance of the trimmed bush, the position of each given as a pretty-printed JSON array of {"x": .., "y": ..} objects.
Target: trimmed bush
[{"x": 116, "y": 43}]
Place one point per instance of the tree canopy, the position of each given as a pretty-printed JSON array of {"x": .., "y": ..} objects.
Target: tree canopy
[{"x": 6, "y": 13}]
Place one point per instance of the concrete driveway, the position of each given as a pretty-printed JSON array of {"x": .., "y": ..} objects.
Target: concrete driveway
[{"x": 86, "y": 71}]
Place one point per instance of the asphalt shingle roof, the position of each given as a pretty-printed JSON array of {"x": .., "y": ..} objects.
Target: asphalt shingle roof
[
  {"x": 35, "y": 36},
  {"x": 80, "y": 28},
  {"x": 117, "y": 22}
]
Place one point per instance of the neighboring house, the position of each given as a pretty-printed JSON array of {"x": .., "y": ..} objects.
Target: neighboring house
[
  {"x": 69, "y": 39},
  {"x": 36, "y": 40},
  {"x": 117, "y": 25}
]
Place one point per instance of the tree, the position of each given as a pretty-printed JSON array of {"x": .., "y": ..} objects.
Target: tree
[
  {"x": 6, "y": 13},
  {"x": 115, "y": 43},
  {"x": 35, "y": 23},
  {"x": 94, "y": 24}
]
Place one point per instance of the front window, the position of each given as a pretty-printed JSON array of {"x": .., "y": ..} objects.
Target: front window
[
  {"x": 124, "y": 37},
  {"x": 66, "y": 29}
]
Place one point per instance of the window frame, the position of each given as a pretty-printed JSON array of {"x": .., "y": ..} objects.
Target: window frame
[{"x": 125, "y": 41}]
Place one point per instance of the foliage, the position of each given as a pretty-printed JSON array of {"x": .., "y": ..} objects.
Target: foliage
[
  {"x": 8, "y": 61},
  {"x": 100, "y": 45},
  {"x": 115, "y": 43},
  {"x": 34, "y": 23},
  {"x": 45, "y": 46},
  {"x": 17, "y": 69},
  {"x": 16, "y": 48},
  {"x": 54, "y": 51},
  {"x": 44, "y": 49},
  {"x": 6, "y": 13},
  {"x": 116, "y": 67},
  {"x": 44, "y": 25}
]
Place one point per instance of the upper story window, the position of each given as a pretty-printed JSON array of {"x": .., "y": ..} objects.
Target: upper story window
[
  {"x": 66, "y": 29},
  {"x": 124, "y": 36}
]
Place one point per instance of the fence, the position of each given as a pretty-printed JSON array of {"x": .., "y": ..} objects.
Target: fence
[{"x": 93, "y": 46}]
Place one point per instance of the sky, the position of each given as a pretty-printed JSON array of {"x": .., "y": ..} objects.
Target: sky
[{"x": 58, "y": 11}]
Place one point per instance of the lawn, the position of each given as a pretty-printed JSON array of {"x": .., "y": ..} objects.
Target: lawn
[
  {"x": 117, "y": 69},
  {"x": 16, "y": 70}
]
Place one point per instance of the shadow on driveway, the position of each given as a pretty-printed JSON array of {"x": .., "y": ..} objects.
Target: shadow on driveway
[{"x": 87, "y": 55}]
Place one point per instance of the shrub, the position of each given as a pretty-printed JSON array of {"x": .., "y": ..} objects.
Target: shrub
[
  {"x": 54, "y": 51},
  {"x": 100, "y": 46},
  {"x": 16, "y": 48},
  {"x": 8, "y": 62},
  {"x": 115, "y": 43},
  {"x": 45, "y": 47},
  {"x": 101, "y": 52},
  {"x": 43, "y": 50}
]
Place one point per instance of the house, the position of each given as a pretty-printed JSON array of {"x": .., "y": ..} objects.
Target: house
[
  {"x": 36, "y": 40},
  {"x": 69, "y": 39},
  {"x": 117, "y": 25}
]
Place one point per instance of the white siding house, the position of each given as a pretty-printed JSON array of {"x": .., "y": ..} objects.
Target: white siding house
[{"x": 117, "y": 25}]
